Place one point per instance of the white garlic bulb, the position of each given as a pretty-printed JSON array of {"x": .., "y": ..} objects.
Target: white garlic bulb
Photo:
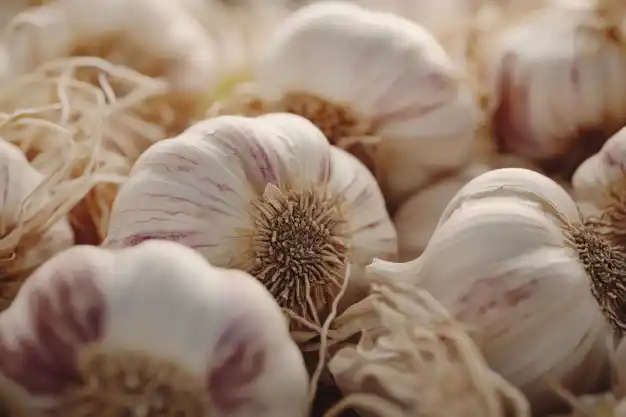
[
  {"x": 598, "y": 187},
  {"x": 512, "y": 259},
  {"x": 267, "y": 195},
  {"x": 31, "y": 226},
  {"x": 150, "y": 330},
  {"x": 376, "y": 84},
  {"x": 555, "y": 77},
  {"x": 417, "y": 218}
]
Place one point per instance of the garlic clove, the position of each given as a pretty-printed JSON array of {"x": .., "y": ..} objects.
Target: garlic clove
[
  {"x": 267, "y": 195},
  {"x": 86, "y": 333},
  {"x": 521, "y": 277},
  {"x": 375, "y": 115},
  {"x": 417, "y": 218}
]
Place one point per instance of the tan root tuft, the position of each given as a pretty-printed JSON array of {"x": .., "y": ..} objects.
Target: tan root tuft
[
  {"x": 414, "y": 359},
  {"x": 605, "y": 264},
  {"x": 119, "y": 383},
  {"x": 298, "y": 249}
]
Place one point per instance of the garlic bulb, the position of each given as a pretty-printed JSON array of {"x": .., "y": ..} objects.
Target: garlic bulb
[
  {"x": 151, "y": 330},
  {"x": 555, "y": 80},
  {"x": 31, "y": 227},
  {"x": 598, "y": 186},
  {"x": 375, "y": 84},
  {"x": 157, "y": 38},
  {"x": 267, "y": 195},
  {"x": 511, "y": 258},
  {"x": 417, "y": 218}
]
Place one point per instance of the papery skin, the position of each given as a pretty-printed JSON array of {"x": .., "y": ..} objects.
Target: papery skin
[
  {"x": 392, "y": 73},
  {"x": 600, "y": 175},
  {"x": 164, "y": 300},
  {"x": 162, "y": 31},
  {"x": 498, "y": 262},
  {"x": 196, "y": 189},
  {"x": 417, "y": 218},
  {"x": 557, "y": 76},
  {"x": 18, "y": 179}
]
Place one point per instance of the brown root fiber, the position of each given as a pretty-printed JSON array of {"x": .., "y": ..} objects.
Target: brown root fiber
[
  {"x": 298, "y": 249},
  {"x": 414, "y": 359}
]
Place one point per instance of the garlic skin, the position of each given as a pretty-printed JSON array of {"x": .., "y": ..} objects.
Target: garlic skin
[
  {"x": 555, "y": 77},
  {"x": 22, "y": 203},
  {"x": 267, "y": 195},
  {"x": 511, "y": 259},
  {"x": 182, "y": 337},
  {"x": 376, "y": 84},
  {"x": 417, "y": 218},
  {"x": 598, "y": 182}
]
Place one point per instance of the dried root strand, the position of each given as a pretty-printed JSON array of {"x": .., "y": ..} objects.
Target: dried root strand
[
  {"x": 107, "y": 120},
  {"x": 420, "y": 361}
]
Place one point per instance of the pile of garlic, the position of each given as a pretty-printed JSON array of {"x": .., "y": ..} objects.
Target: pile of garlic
[{"x": 403, "y": 208}]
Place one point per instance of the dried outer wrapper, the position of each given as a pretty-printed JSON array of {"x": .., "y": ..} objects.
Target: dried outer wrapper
[{"x": 415, "y": 360}]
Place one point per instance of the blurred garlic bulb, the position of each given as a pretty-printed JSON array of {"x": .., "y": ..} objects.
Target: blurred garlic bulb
[
  {"x": 239, "y": 28},
  {"x": 511, "y": 258},
  {"x": 30, "y": 232},
  {"x": 598, "y": 186},
  {"x": 555, "y": 80},
  {"x": 156, "y": 38},
  {"x": 420, "y": 361},
  {"x": 376, "y": 84},
  {"x": 417, "y": 218},
  {"x": 267, "y": 195},
  {"x": 151, "y": 330}
]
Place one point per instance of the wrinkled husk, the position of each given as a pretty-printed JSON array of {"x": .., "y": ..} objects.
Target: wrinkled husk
[
  {"x": 109, "y": 130},
  {"x": 414, "y": 359}
]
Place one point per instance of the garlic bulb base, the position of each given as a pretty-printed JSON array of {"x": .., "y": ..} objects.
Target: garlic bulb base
[
  {"x": 605, "y": 264},
  {"x": 116, "y": 382},
  {"x": 299, "y": 248}
]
